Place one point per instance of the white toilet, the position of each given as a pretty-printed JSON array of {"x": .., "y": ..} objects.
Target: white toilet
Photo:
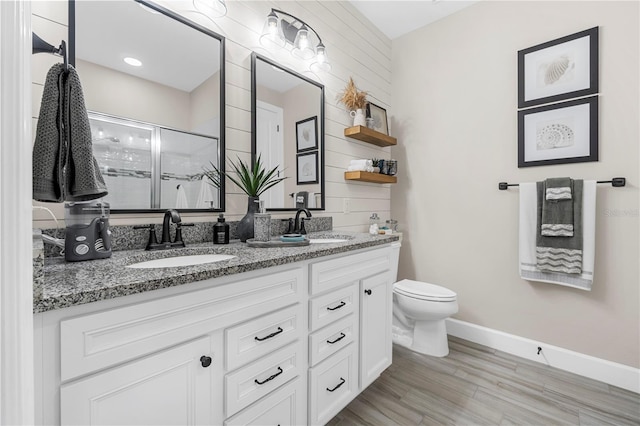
[{"x": 419, "y": 313}]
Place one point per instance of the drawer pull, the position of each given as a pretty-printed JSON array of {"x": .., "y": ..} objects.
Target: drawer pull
[
  {"x": 205, "y": 361},
  {"x": 270, "y": 378},
  {"x": 368, "y": 292},
  {"x": 342, "y": 382},
  {"x": 280, "y": 330},
  {"x": 337, "y": 307},
  {"x": 342, "y": 336}
]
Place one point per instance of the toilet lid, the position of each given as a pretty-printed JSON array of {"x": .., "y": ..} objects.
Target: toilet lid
[{"x": 424, "y": 291}]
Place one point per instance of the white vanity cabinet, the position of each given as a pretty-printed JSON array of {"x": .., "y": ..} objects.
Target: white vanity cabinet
[
  {"x": 375, "y": 327},
  {"x": 287, "y": 345},
  {"x": 170, "y": 387},
  {"x": 357, "y": 288}
]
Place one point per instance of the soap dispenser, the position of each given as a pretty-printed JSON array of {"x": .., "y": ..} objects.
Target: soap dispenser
[
  {"x": 221, "y": 231},
  {"x": 373, "y": 224},
  {"x": 262, "y": 224}
]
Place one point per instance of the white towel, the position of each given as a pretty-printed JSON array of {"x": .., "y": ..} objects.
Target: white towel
[
  {"x": 528, "y": 225},
  {"x": 362, "y": 162},
  {"x": 360, "y": 169},
  {"x": 181, "y": 198},
  {"x": 311, "y": 201},
  {"x": 205, "y": 197}
]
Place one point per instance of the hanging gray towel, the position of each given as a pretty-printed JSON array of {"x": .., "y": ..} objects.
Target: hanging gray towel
[
  {"x": 561, "y": 254},
  {"x": 64, "y": 168},
  {"x": 557, "y": 208},
  {"x": 84, "y": 181},
  {"x": 48, "y": 150}
]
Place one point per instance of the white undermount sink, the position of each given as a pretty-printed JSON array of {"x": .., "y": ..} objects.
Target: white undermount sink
[
  {"x": 172, "y": 262},
  {"x": 327, "y": 240}
]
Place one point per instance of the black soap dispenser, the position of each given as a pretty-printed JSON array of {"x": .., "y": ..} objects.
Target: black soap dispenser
[{"x": 221, "y": 231}]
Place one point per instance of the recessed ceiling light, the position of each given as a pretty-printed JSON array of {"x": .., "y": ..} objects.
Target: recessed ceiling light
[{"x": 133, "y": 62}]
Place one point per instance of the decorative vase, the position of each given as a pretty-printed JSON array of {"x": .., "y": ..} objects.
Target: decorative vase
[
  {"x": 245, "y": 226},
  {"x": 359, "y": 118}
]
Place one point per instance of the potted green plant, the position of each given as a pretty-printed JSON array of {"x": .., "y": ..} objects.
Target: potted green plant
[{"x": 253, "y": 181}]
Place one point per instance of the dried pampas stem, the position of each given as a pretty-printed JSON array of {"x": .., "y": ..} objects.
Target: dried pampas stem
[{"x": 352, "y": 98}]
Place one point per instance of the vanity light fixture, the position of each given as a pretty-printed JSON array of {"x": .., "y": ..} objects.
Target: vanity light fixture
[
  {"x": 211, "y": 8},
  {"x": 298, "y": 34},
  {"x": 133, "y": 61}
]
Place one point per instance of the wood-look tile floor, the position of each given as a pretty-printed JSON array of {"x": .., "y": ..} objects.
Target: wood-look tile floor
[{"x": 477, "y": 385}]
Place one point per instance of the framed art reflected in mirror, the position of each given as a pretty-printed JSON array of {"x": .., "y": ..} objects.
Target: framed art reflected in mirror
[{"x": 288, "y": 132}]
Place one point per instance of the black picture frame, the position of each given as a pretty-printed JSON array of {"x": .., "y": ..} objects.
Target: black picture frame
[
  {"x": 560, "y": 133},
  {"x": 379, "y": 115},
  {"x": 559, "y": 69},
  {"x": 307, "y": 168},
  {"x": 307, "y": 134}
]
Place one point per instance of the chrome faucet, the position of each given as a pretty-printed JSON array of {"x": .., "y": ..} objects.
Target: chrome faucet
[{"x": 299, "y": 223}]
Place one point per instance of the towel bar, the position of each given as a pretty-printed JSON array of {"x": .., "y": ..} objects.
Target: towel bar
[{"x": 616, "y": 182}]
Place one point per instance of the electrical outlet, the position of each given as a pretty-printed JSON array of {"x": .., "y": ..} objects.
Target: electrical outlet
[{"x": 346, "y": 205}]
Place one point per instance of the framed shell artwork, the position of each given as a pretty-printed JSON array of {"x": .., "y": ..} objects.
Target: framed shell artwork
[
  {"x": 307, "y": 134},
  {"x": 565, "y": 132},
  {"x": 307, "y": 168},
  {"x": 559, "y": 69}
]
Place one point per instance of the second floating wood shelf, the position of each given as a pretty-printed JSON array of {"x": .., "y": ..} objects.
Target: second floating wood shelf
[
  {"x": 370, "y": 177},
  {"x": 368, "y": 135}
]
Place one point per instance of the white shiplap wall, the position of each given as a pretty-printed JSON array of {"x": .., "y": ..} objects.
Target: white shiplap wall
[{"x": 355, "y": 48}]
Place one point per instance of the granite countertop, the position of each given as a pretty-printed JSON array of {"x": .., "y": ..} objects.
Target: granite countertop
[{"x": 68, "y": 284}]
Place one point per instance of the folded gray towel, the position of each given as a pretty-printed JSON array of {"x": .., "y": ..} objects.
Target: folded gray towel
[
  {"x": 555, "y": 254},
  {"x": 557, "y": 208},
  {"x": 558, "y": 189},
  {"x": 64, "y": 168}
]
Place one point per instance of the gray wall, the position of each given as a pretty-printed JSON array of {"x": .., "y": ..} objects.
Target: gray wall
[{"x": 455, "y": 101}]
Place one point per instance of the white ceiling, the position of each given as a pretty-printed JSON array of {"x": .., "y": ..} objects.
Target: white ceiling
[{"x": 398, "y": 17}]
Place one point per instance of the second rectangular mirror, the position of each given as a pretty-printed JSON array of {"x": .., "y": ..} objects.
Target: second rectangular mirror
[{"x": 288, "y": 131}]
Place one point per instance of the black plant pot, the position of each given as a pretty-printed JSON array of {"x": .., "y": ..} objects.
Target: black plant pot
[{"x": 245, "y": 226}]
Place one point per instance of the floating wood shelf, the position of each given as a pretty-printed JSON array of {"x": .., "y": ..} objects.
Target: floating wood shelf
[
  {"x": 368, "y": 135},
  {"x": 370, "y": 177}
]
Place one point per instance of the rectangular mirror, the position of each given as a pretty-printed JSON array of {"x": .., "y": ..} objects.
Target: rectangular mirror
[
  {"x": 153, "y": 85},
  {"x": 288, "y": 131}
]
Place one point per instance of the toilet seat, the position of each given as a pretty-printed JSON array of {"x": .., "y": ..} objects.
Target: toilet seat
[{"x": 424, "y": 291}]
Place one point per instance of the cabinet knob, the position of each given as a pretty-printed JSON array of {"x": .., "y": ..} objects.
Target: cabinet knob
[
  {"x": 205, "y": 361},
  {"x": 368, "y": 292}
]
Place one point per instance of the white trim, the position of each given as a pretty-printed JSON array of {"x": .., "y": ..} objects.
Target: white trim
[
  {"x": 612, "y": 373},
  {"x": 16, "y": 265}
]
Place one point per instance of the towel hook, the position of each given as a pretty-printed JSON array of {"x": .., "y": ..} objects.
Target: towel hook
[{"x": 41, "y": 46}]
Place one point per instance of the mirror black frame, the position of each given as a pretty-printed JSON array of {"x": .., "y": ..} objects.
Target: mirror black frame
[
  {"x": 254, "y": 86},
  {"x": 221, "y": 138}
]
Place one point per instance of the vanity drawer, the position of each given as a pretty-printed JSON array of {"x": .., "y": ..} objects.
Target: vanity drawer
[
  {"x": 255, "y": 338},
  {"x": 332, "y": 385},
  {"x": 332, "y": 338},
  {"x": 335, "y": 273},
  {"x": 285, "y": 407},
  {"x": 92, "y": 342},
  {"x": 250, "y": 383},
  {"x": 325, "y": 309}
]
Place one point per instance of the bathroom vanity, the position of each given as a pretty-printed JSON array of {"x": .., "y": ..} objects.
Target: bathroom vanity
[{"x": 273, "y": 336}]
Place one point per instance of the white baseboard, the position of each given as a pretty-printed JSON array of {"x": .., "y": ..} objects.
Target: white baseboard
[{"x": 620, "y": 375}]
